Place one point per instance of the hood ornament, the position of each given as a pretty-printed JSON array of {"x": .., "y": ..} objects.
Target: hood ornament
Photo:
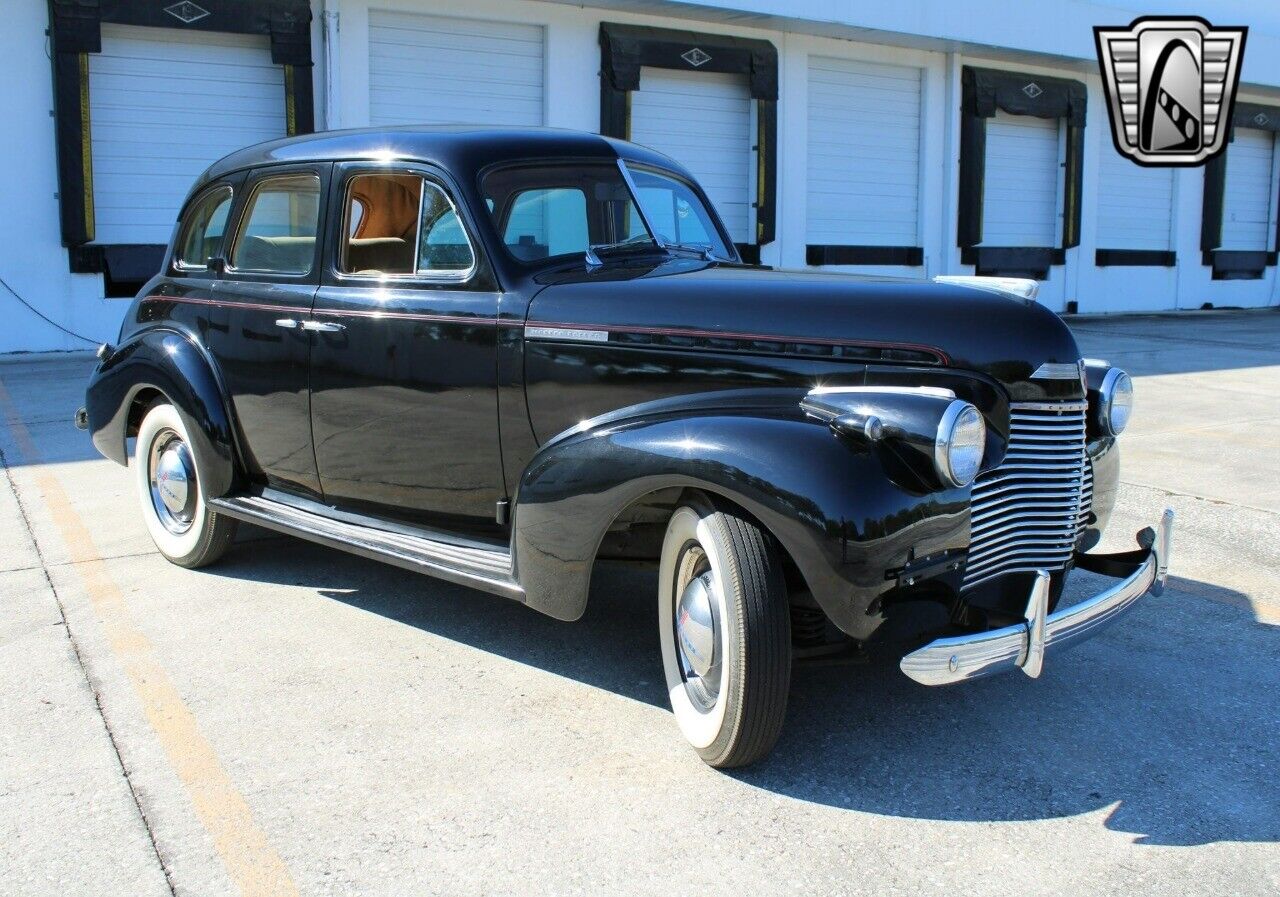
[{"x": 1017, "y": 287}]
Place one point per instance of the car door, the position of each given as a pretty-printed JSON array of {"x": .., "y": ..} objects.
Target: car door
[
  {"x": 262, "y": 344},
  {"x": 404, "y": 384}
]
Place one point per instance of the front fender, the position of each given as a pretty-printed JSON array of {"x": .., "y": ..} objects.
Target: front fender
[
  {"x": 172, "y": 363},
  {"x": 827, "y": 500}
]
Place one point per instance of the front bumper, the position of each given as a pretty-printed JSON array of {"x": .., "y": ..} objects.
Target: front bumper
[{"x": 1025, "y": 645}]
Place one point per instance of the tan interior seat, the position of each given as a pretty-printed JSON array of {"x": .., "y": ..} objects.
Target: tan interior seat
[
  {"x": 285, "y": 254},
  {"x": 380, "y": 255}
]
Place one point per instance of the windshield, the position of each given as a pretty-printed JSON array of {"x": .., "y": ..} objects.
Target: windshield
[
  {"x": 547, "y": 211},
  {"x": 675, "y": 213}
]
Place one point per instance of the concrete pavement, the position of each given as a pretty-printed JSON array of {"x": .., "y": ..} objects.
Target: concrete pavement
[{"x": 296, "y": 720}]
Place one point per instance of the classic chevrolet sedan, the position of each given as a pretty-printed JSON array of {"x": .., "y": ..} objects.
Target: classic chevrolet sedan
[{"x": 497, "y": 356}]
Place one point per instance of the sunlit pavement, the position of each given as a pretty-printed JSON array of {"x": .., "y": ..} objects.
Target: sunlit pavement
[{"x": 296, "y": 720}]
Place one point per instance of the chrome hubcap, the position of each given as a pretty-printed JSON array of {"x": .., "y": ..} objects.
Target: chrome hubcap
[
  {"x": 697, "y": 627},
  {"x": 173, "y": 482}
]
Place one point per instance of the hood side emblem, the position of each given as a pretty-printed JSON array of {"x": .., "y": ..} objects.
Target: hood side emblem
[{"x": 1051, "y": 370}]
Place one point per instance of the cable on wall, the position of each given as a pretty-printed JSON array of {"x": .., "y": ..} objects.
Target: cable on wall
[{"x": 35, "y": 311}]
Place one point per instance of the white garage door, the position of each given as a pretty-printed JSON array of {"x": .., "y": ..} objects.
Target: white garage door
[
  {"x": 1135, "y": 204},
  {"x": 438, "y": 70},
  {"x": 702, "y": 120},
  {"x": 1021, "y": 183},
  {"x": 163, "y": 104},
  {"x": 864, "y": 153},
  {"x": 1248, "y": 206}
]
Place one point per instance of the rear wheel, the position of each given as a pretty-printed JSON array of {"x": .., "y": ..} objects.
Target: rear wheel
[
  {"x": 726, "y": 633},
  {"x": 184, "y": 528}
]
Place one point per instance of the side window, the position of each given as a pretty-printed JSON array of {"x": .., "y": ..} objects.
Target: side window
[
  {"x": 202, "y": 230},
  {"x": 278, "y": 234},
  {"x": 546, "y": 222},
  {"x": 400, "y": 224}
]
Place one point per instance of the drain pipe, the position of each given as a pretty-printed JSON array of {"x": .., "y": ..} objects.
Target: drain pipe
[{"x": 332, "y": 118}]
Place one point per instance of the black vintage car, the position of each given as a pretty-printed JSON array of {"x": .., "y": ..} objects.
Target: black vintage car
[{"x": 496, "y": 356}]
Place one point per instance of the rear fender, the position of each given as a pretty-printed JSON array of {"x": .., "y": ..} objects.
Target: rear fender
[
  {"x": 173, "y": 364},
  {"x": 825, "y": 498}
]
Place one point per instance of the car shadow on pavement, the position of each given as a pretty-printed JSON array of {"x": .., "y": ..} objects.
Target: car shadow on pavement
[{"x": 1167, "y": 726}]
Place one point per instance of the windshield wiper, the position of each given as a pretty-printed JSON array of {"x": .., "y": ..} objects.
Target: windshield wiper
[
  {"x": 640, "y": 243},
  {"x": 704, "y": 250}
]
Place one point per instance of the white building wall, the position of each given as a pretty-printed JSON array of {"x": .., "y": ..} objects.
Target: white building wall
[
  {"x": 32, "y": 260},
  {"x": 938, "y": 36}
]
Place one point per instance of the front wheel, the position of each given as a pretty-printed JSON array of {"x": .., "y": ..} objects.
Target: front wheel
[
  {"x": 725, "y": 631},
  {"x": 184, "y": 528}
]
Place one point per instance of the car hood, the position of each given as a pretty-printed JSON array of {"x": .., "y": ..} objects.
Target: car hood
[{"x": 893, "y": 320}]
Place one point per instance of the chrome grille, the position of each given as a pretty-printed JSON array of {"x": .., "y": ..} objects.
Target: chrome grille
[{"x": 1028, "y": 512}]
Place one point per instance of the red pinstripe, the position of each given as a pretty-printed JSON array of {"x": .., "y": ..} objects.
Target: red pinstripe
[{"x": 942, "y": 356}]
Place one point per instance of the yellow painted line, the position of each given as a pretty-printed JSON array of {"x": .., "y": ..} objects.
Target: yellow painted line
[
  {"x": 19, "y": 430},
  {"x": 250, "y": 860}
]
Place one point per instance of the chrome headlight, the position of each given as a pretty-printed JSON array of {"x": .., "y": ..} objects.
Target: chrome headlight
[
  {"x": 958, "y": 449},
  {"x": 1116, "y": 401}
]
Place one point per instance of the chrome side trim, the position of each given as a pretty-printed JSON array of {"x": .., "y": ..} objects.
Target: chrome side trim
[
  {"x": 480, "y": 568},
  {"x": 937, "y": 391},
  {"x": 1028, "y": 644},
  {"x": 567, "y": 333}
]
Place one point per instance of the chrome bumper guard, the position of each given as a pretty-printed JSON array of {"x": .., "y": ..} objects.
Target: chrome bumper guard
[{"x": 1024, "y": 645}]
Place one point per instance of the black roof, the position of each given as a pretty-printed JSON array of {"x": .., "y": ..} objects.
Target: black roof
[{"x": 456, "y": 148}]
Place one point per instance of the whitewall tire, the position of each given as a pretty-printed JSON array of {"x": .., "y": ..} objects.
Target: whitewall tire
[
  {"x": 725, "y": 632},
  {"x": 184, "y": 528}
]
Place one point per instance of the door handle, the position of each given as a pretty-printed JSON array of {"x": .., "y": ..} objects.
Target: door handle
[
  {"x": 322, "y": 326},
  {"x": 289, "y": 323}
]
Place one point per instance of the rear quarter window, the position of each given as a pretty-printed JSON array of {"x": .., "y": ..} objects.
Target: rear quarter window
[{"x": 203, "y": 229}]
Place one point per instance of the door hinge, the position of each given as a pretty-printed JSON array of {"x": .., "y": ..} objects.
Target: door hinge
[{"x": 501, "y": 510}]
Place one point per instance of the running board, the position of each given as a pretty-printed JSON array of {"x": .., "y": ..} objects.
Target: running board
[{"x": 480, "y": 568}]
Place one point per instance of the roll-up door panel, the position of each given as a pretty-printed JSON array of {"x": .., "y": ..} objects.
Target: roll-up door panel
[
  {"x": 703, "y": 121},
  {"x": 864, "y": 153},
  {"x": 1135, "y": 204},
  {"x": 1249, "y": 195},
  {"x": 163, "y": 105},
  {"x": 1021, "y": 184},
  {"x": 437, "y": 70}
]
